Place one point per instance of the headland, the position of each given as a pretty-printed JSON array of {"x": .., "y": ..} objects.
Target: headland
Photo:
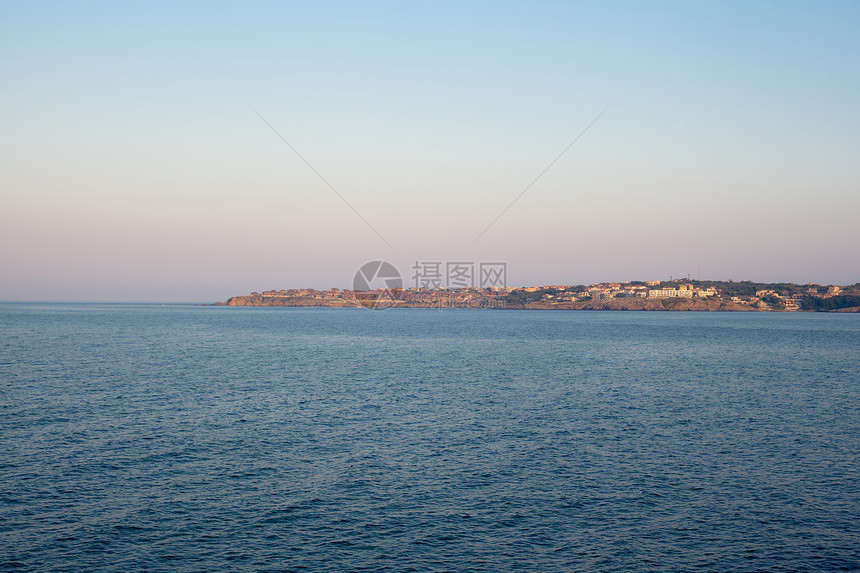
[{"x": 674, "y": 295}]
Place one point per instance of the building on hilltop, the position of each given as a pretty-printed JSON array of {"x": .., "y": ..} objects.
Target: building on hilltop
[
  {"x": 683, "y": 291},
  {"x": 833, "y": 291}
]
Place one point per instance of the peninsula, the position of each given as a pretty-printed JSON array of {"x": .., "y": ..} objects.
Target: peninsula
[{"x": 674, "y": 295}]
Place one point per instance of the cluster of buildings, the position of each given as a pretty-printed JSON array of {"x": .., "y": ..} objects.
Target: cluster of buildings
[
  {"x": 607, "y": 291},
  {"x": 788, "y": 299},
  {"x": 564, "y": 293},
  {"x": 331, "y": 294},
  {"x": 791, "y": 301}
]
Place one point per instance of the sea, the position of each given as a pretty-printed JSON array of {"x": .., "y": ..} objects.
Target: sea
[{"x": 138, "y": 437}]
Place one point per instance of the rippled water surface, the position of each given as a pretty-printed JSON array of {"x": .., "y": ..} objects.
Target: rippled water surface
[{"x": 182, "y": 438}]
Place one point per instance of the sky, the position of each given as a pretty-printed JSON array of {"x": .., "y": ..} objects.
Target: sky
[{"x": 194, "y": 151}]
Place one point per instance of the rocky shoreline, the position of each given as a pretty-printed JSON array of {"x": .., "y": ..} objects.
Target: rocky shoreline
[
  {"x": 672, "y": 296},
  {"x": 628, "y": 304}
]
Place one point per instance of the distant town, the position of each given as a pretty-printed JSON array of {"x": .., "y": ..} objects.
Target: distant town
[{"x": 672, "y": 295}]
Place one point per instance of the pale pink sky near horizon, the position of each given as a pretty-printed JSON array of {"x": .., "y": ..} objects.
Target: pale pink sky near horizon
[{"x": 134, "y": 167}]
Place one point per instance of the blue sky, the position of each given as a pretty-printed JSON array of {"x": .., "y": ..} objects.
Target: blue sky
[{"x": 134, "y": 166}]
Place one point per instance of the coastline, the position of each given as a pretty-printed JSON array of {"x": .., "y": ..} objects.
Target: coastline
[
  {"x": 655, "y": 296},
  {"x": 621, "y": 304}
]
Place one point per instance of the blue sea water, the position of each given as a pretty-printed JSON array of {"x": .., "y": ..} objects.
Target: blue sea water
[{"x": 183, "y": 438}]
